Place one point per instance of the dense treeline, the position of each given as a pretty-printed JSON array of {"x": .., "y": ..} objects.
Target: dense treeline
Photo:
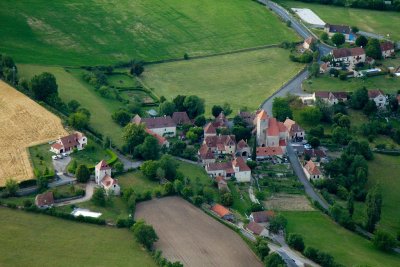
[{"x": 365, "y": 4}]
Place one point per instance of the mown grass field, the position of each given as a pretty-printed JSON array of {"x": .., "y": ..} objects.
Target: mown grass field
[
  {"x": 380, "y": 22},
  {"x": 98, "y": 32},
  {"x": 383, "y": 170},
  {"x": 38, "y": 240},
  {"x": 243, "y": 79},
  {"x": 347, "y": 248},
  {"x": 72, "y": 86},
  {"x": 41, "y": 157},
  {"x": 137, "y": 181}
]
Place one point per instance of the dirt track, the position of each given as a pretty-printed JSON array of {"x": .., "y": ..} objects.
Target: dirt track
[
  {"x": 192, "y": 237},
  {"x": 23, "y": 123}
]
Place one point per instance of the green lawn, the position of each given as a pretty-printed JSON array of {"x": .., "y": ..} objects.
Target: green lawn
[
  {"x": 241, "y": 199},
  {"x": 321, "y": 232},
  {"x": 91, "y": 155},
  {"x": 41, "y": 157},
  {"x": 72, "y": 86},
  {"x": 243, "y": 79},
  {"x": 136, "y": 180},
  {"x": 380, "y": 22},
  {"x": 99, "y": 32},
  {"x": 383, "y": 170},
  {"x": 388, "y": 84},
  {"x": 121, "y": 80},
  {"x": 38, "y": 240}
]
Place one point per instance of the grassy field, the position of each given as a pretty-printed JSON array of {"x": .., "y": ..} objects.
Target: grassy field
[
  {"x": 100, "y": 32},
  {"x": 388, "y": 84},
  {"x": 383, "y": 171},
  {"x": 121, "y": 80},
  {"x": 41, "y": 157},
  {"x": 136, "y": 180},
  {"x": 91, "y": 155},
  {"x": 243, "y": 79},
  {"x": 38, "y": 240},
  {"x": 380, "y": 22},
  {"x": 321, "y": 232},
  {"x": 72, "y": 86}
]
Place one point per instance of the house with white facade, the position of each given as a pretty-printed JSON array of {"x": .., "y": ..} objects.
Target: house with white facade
[
  {"x": 236, "y": 168},
  {"x": 163, "y": 126},
  {"x": 312, "y": 171},
  {"x": 387, "y": 49},
  {"x": 294, "y": 131},
  {"x": 68, "y": 143},
  {"x": 379, "y": 97},
  {"x": 221, "y": 144},
  {"x": 308, "y": 42},
  {"x": 348, "y": 56},
  {"x": 330, "y": 98},
  {"x": 103, "y": 178}
]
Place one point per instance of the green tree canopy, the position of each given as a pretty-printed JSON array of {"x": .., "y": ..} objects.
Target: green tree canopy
[
  {"x": 281, "y": 109},
  {"x": 134, "y": 135},
  {"x": 167, "y": 108},
  {"x": 338, "y": 39},
  {"x": 82, "y": 173},
  {"x": 43, "y": 86},
  {"x": 144, "y": 234},
  {"x": 373, "y": 49}
]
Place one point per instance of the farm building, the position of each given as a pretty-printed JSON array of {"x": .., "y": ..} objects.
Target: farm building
[
  {"x": 262, "y": 216},
  {"x": 222, "y": 212},
  {"x": 221, "y": 144},
  {"x": 263, "y": 153},
  {"x": 68, "y": 143},
  {"x": 257, "y": 229},
  {"x": 222, "y": 184},
  {"x": 205, "y": 154},
  {"x": 103, "y": 178},
  {"x": 163, "y": 126},
  {"x": 45, "y": 200}
]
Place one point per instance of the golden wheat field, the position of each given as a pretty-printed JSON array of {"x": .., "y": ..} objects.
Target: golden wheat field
[{"x": 23, "y": 123}]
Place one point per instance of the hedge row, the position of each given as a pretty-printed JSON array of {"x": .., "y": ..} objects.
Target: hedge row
[{"x": 110, "y": 162}]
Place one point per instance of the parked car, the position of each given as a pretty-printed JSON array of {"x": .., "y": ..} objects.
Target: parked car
[
  {"x": 59, "y": 156},
  {"x": 64, "y": 155},
  {"x": 54, "y": 157},
  {"x": 307, "y": 146}
]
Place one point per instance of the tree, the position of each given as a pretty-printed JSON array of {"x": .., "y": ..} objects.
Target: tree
[
  {"x": 169, "y": 189},
  {"x": 393, "y": 104},
  {"x": 314, "y": 69},
  {"x": 11, "y": 187},
  {"x": 340, "y": 136},
  {"x": 187, "y": 192},
  {"x": 311, "y": 115},
  {"x": 370, "y": 108},
  {"x": 254, "y": 150},
  {"x": 241, "y": 132},
  {"x": 178, "y": 186},
  {"x": 98, "y": 197},
  {"x": 227, "y": 199},
  {"x": 384, "y": 241},
  {"x": 82, "y": 173},
  {"x": 167, "y": 108},
  {"x": 314, "y": 142},
  {"x": 338, "y": 39},
  {"x": 198, "y": 200},
  {"x": 373, "y": 49},
  {"x": 216, "y": 110},
  {"x": 200, "y": 121},
  {"x": 194, "y": 106},
  {"x": 361, "y": 41},
  {"x": 43, "y": 86},
  {"x": 262, "y": 248},
  {"x": 73, "y": 166},
  {"x": 281, "y": 109},
  {"x": 359, "y": 98},
  {"x": 73, "y": 105},
  {"x": 122, "y": 117},
  {"x": 150, "y": 149},
  {"x": 170, "y": 166},
  {"x": 137, "y": 68},
  {"x": 274, "y": 260},
  {"x": 208, "y": 194},
  {"x": 354, "y": 29},
  {"x": 78, "y": 120},
  {"x": 350, "y": 204},
  {"x": 119, "y": 167},
  {"x": 373, "y": 206},
  {"x": 178, "y": 101},
  {"x": 227, "y": 109},
  {"x": 324, "y": 36},
  {"x": 144, "y": 234},
  {"x": 135, "y": 107},
  {"x": 295, "y": 241},
  {"x": 149, "y": 169},
  {"x": 277, "y": 224},
  {"x": 344, "y": 121},
  {"x": 134, "y": 135}
]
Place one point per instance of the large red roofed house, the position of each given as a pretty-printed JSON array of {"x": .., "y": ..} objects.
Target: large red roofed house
[
  {"x": 205, "y": 154},
  {"x": 221, "y": 144},
  {"x": 209, "y": 130},
  {"x": 163, "y": 126},
  {"x": 103, "y": 178},
  {"x": 220, "y": 121},
  {"x": 269, "y": 152},
  {"x": 236, "y": 168},
  {"x": 349, "y": 56},
  {"x": 257, "y": 229},
  {"x": 181, "y": 118},
  {"x": 312, "y": 171},
  {"x": 264, "y": 216},
  {"x": 387, "y": 49},
  {"x": 68, "y": 143},
  {"x": 294, "y": 131},
  {"x": 45, "y": 200},
  {"x": 222, "y": 212},
  {"x": 379, "y": 97},
  {"x": 270, "y": 131}
]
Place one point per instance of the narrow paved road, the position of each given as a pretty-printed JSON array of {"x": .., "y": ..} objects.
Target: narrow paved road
[
  {"x": 128, "y": 163},
  {"x": 88, "y": 195}
]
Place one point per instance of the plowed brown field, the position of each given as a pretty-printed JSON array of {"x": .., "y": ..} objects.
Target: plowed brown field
[{"x": 23, "y": 123}]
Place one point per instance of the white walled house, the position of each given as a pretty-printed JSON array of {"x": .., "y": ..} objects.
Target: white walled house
[
  {"x": 68, "y": 143},
  {"x": 349, "y": 56},
  {"x": 103, "y": 178},
  {"x": 379, "y": 97},
  {"x": 236, "y": 168},
  {"x": 387, "y": 49},
  {"x": 163, "y": 126},
  {"x": 312, "y": 171}
]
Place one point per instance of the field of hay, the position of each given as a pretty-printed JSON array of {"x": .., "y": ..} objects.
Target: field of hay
[{"x": 23, "y": 123}]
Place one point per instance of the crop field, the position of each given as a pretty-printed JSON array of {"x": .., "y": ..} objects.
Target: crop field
[
  {"x": 95, "y": 32},
  {"x": 23, "y": 123},
  {"x": 380, "y": 22},
  {"x": 192, "y": 237},
  {"x": 72, "y": 86},
  {"x": 288, "y": 202},
  {"x": 38, "y": 240},
  {"x": 242, "y": 79},
  {"x": 348, "y": 248}
]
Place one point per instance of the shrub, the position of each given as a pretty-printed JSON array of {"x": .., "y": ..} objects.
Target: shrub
[
  {"x": 295, "y": 241},
  {"x": 384, "y": 241},
  {"x": 144, "y": 234},
  {"x": 27, "y": 203}
]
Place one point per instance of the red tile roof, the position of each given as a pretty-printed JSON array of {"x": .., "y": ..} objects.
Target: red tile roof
[
  {"x": 255, "y": 228},
  {"x": 375, "y": 93},
  {"x": 70, "y": 141},
  {"x": 161, "y": 139},
  {"x": 292, "y": 126},
  {"x": 242, "y": 144},
  {"x": 209, "y": 129},
  {"x": 340, "y": 95},
  {"x": 273, "y": 127},
  {"x": 102, "y": 165},
  {"x": 45, "y": 199},
  {"x": 57, "y": 146},
  {"x": 269, "y": 151},
  {"x": 262, "y": 115},
  {"x": 239, "y": 162},
  {"x": 156, "y": 122},
  {"x": 387, "y": 46},
  {"x": 282, "y": 142},
  {"x": 220, "y": 210},
  {"x": 181, "y": 118},
  {"x": 348, "y": 52},
  {"x": 219, "y": 166},
  {"x": 108, "y": 181},
  {"x": 263, "y": 216},
  {"x": 312, "y": 169},
  {"x": 205, "y": 152},
  {"x": 322, "y": 95},
  {"x": 220, "y": 141},
  {"x": 310, "y": 40}
]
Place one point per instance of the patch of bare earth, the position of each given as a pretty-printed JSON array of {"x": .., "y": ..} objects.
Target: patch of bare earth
[
  {"x": 188, "y": 235},
  {"x": 286, "y": 202},
  {"x": 23, "y": 123}
]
